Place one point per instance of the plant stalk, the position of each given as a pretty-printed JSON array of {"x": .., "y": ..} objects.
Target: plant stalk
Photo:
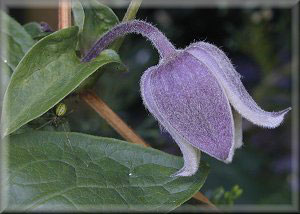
[
  {"x": 200, "y": 197},
  {"x": 91, "y": 98},
  {"x": 64, "y": 14}
]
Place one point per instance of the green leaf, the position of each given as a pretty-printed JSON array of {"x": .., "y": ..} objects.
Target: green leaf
[
  {"x": 51, "y": 171},
  {"x": 15, "y": 39},
  {"x": 93, "y": 19},
  {"x": 6, "y": 70},
  {"x": 78, "y": 14},
  {"x": 49, "y": 72},
  {"x": 97, "y": 19},
  {"x": 5, "y": 75},
  {"x": 35, "y": 31}
]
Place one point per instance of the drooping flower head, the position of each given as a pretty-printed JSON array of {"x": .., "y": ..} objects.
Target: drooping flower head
[{"x": 195, "y": 94}]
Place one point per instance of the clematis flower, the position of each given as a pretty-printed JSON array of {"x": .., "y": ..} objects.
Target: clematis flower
[{"x": 195, "y": 94}]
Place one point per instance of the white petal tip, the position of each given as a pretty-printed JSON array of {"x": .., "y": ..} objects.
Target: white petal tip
[
  {"x": 228, "y": 160},
  {"x": 280, "y": 117},
  {"x": 239, "y": 145},
  {"x": 184, "y": 173},
  {"x": 269, "y": 120},
  {"x": 283, "y": 112}
]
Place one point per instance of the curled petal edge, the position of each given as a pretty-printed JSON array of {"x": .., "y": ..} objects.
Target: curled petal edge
[
  {"x": 238, "y": 135},
  {"x": 229, "y": 79}
]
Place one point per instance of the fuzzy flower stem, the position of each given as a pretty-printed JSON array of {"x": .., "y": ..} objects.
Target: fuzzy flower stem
[
  {"x": 158, "y": 39},
  {"x": 129, "y": 15}
]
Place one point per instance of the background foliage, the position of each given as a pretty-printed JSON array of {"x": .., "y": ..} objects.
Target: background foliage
[{"x": 258, "y": 42}]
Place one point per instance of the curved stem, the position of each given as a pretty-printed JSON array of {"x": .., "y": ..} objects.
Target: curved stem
[
  {"x": 129, "y": 15},
  {"x": 158, "y": 39}
]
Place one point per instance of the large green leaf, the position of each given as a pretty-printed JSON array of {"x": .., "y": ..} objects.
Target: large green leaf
[
  {"x": 53, "y": 171},
  {"x": 94, "y": 20},
  {"x": 49, "y": 72},
  {"x": 15, "y": 39}
]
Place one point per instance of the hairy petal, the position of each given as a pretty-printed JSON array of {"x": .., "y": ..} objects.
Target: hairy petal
[
  {"x": 238, "y": 134},
  {"x": 219, "y": 64},
  {"x": 191, "y": 155},
  {"x": 191, "y": 105}
]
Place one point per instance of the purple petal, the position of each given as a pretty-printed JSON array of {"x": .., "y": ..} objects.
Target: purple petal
[
  {"x": 191, "y": 105},
  {"x": 46, "y": 27},
  {"x": 223, "y": 70},
  {"x": 191, "y": 155}
]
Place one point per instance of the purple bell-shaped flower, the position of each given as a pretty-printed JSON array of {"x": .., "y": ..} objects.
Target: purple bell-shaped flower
[{"x": 196, "y": 95}]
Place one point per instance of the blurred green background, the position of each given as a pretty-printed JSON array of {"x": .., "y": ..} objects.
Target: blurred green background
[{"x": 258, "y": 41}]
